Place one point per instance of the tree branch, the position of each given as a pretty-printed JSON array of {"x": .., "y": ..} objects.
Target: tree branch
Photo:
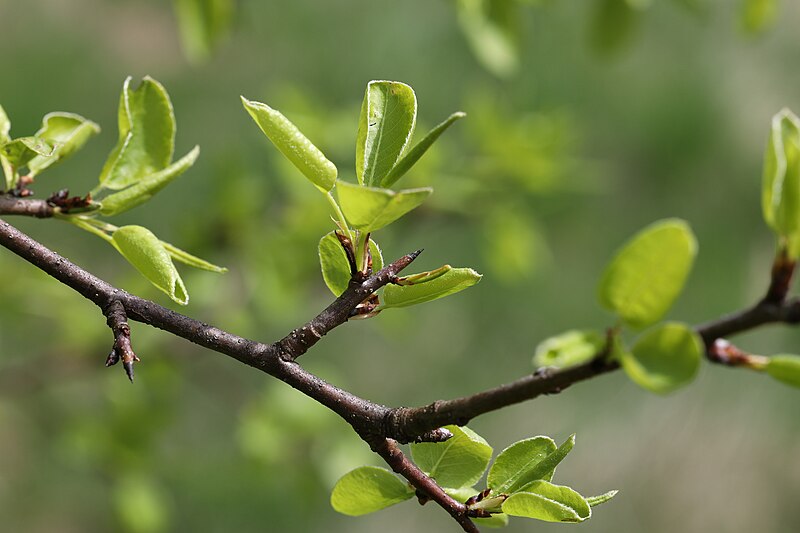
[
  {"x": 378, "y": 425},
  {"x": 9, "y": 205}
]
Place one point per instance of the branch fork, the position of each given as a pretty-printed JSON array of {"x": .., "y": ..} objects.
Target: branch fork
[{"x": 117, "y": 320}]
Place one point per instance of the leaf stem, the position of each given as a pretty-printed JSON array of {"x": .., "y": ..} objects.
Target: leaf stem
[{"x": 339, "y": 216}]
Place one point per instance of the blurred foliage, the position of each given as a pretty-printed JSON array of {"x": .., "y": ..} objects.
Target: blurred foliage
[{"x": 548, "y": 173}]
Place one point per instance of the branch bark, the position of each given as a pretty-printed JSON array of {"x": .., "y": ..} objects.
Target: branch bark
[{"x": 380, "y": 426}]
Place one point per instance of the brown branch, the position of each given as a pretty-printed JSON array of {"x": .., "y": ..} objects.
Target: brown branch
[
  {"x": 378, "y": 425},
  {"x": 10, "y": 205},
  {"x": 117, "y": 320},
  {"x": 395, "y": 458}
]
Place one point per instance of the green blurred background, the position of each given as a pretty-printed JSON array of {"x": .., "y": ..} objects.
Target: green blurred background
[{"x": 590, "y": 137}]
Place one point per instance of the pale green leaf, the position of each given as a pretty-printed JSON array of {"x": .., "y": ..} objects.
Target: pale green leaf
[
  {"x": 526, "y": 461},
  {"x": 413, "y": 155},
  {"x": 67, "y": 133},
  {"x": 385, "y": 127},
  {"x": 146, "y": 135},
  {"x": 780, "y": 196},
  {"x": 495, "y": 521},
  {"x": 144, "y": 189},
  {"x": 569, "y": 348},
  {"x": 460, "y": 461},
  {"x": 600, "y": 499},
  {"x": 188, "y": 259},
  {"x": 203, "y": 25},
  {"x": 369, "y": 208},
  {"x": 368, "y": 489},
  {"x": 492, "y": 31},
  {"x": 8, "y": 170},
  {"x": 5, "y": 126},
  {"x": 145, "y": 252},
  {"x": 451, "y": 282},
  {"x": 21, "y": 151},
  {"x": 334, "y": 264},
  {"x": 646, "y": 276},
  {"x": 293, "y": 144},
  {"x": 664, "y": 358},
  {"x": 552, "y": 503},
  {"x": 785, "y": 368}
]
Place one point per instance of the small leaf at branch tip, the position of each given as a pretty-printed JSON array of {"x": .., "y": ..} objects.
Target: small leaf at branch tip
[{"x": 600, "y": 499}]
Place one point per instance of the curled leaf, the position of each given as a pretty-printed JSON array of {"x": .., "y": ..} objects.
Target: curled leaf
[
  {"x": 385, "y": 127},
  {"x": 785, "y": 368},
  {"x": 67, "y": 133},
  {"x": 146, "y": 135}
]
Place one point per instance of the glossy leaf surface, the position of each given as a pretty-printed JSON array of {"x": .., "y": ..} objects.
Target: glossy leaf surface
[
  {"x": 67, "y": 133},
  {"x": 785, "y": 368},
  {"x": 369, "y": 208},
  {"x": 552, "y": 503},
  {"x": 146, "y": 135},
  {"x": 451, "y": 282},
  {"x": 293, "y": 144},
  {"x": 385, "y": 127},
  {"x": 569, "y": 349},
  {"x": 368, "y": 489},
  {"x": 145, "y": 252},
  {"x": 460, "y": 461}
]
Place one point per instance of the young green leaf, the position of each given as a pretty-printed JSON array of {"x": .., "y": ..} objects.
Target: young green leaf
[
  {"x": 293, "y": 144},
  {"x": 369, "y": 209},
  {"x": 648, "y": 273},
  {"x": 67, "y": 133},
  {"x": 460, "y": 461},
  {"x": 664, "y": 358},
  {"x": 461, "y": 494},
  {"x": 188, "y": 259},
  {"x": 552, "y": 503},
  {"x": 780, "y": 195},
  {"x": 5, "y": 126},
  {"x": 145, "y": 252},
  {"x": 571, "y": 348},
  {"x": 336, "y": 268},
  {"x": 385, "y": 127},
  {"x": 413, "y": 155},
  {"x": 516, "y": 460},
  {"x": 146, "y": 135},
  {"x": 451, "y": 282},
  {"x": 20, "y": 152},
  {"x": 785, "y": 368},
  {"x": 600, "y": 499},
  {"x": 368, "y": 489},
  {"x": 144, "y": 189},
  {"x": 8, "y": 170}
]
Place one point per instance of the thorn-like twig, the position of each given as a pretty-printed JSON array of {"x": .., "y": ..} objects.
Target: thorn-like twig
[{"x": 117, "y": 320}]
